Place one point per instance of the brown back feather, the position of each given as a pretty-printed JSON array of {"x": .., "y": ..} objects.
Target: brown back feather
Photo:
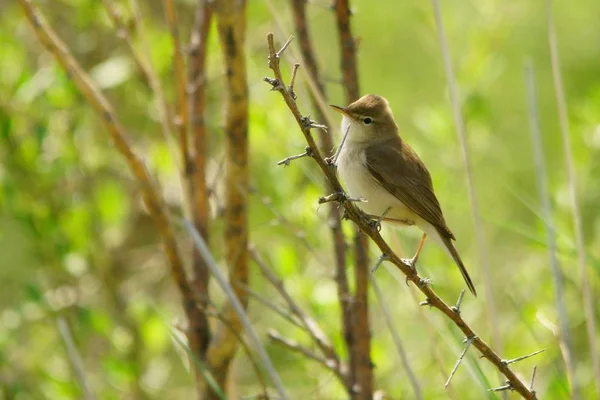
[{"x": 397, "y": 168}]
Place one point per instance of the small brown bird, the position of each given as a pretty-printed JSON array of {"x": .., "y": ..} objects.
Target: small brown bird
[{"x": 376, "y": 164}]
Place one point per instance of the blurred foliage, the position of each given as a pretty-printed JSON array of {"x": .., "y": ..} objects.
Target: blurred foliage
[{"x": 77, "y": 243}]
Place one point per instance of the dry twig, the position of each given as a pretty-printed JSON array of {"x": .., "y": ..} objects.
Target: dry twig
[
  {"x": 237, "y": 306},
  {"x": 297, "y": 347},
  {"x": 310, "y": 325}
]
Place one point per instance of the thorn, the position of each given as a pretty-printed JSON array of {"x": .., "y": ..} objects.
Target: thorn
[
  {"x": 460, "y": 358},
  {"x": 506, "y": 386},
  {"x": 514, "y": 360},
  {"x": 340, "y": 197},
  {"x": 285, "y": 45},
  {"x": 380, "y": 260},
  {"x": 532, "y": 379},
  {"x": 273, "y": 82},
  {"x": 456, "y": 308},
  {"x": 425, "y": 303},
  {"x": 293, "y": 80},
  {"x": 286, "y": 161},
  {"x": 339, "y": 149},
  {"x": 309, "y": 123}
]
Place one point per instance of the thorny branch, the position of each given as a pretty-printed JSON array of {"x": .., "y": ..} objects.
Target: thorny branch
[{"x": 358, "y": 217}]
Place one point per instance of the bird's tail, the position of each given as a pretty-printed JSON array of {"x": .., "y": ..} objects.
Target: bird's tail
[{"x": 452, "y": 250}]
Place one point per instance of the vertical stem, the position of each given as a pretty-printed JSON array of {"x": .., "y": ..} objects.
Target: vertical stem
[
  {"x": 75, "y": 358},
  {"x": 586, "y": 290},
  {"x": 462, "y": 138},
  {"x": 396, "y": 338},
  {"x": 231, "y": 24},
  {"x": 544, "y": 195},
  {"x": 199, "y": 330},
  {"x": 181, "y": 120},
  {"x": 326, "y": 144},
  {"x": 360, "y": 359}
]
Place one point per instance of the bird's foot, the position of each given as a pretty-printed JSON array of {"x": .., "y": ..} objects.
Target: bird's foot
[
  {"x": 412, "y": 264},
  {"x": 376, "y": 223}
]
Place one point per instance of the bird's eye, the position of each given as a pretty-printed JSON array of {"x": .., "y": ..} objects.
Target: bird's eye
[{"x": 367, "y": 121}]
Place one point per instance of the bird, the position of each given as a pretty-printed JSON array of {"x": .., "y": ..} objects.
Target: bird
[{"x": 377, "y": 164}]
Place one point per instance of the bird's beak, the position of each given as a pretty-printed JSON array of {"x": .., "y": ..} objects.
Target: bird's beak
[{"x": 342, "y": 110}]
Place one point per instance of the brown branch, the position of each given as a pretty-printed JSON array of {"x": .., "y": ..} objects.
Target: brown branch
[
  {"x": 151, "y": 195},
  {"x": 215, "y": 314},
  {"x": 362, "y": 365},
  {"x": 358, "y": 217},
  {"x": 125, "y": 32},
  {"x": 285, "y": 314},
  {"x": 326, "y": 142},
  {"x": 311, "y": 327},
  {"x": 199, "y": 332},
  {"x": 297, "y": 347},
  {"x": 181, "y": 119},
  {"x": 231, "y": 25}
]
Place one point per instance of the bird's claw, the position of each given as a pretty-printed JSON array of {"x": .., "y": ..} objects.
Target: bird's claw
[{"x": 375, "y": 224}]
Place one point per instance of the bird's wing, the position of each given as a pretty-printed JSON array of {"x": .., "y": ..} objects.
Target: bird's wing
[{"x": 397, "y": 168}]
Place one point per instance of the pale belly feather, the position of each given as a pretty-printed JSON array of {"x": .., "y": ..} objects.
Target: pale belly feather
[{"x": 359, "y": 182}]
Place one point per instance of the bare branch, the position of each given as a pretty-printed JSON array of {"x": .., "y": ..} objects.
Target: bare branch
[
  {"x": 317, "y": 97},
  {"x": 503, "y": 388},
  {"x": 456, "y": 308},
  {"x": 181, "y": 120},
  {"x": 396, "y": 338},
  {"x": 286, "y": 161},
  {"x": 472, "y": 192},
  {"x": 293, "y": 80},
  {"x": 230, "y": 16},
  {"x": 341, "y": 146},
  {"x": 200, "y": 244},
  {"x": 460, "y": 358},
  {"x": 380, "y": 260},
  {"x": 199, "y": 331},
  {"x": 514, "y": 360},
  {"x": 532, "y": 378},
  {"x": 360, "y": 356},
  {"x": 244, "y": 345},
  {"x": 295, "y": 346},
  {"x": 309, "y": 324},
  {"x": 341, "y": 197},
  {"x": 75, "y": 358},
  {"x": 277, "y": 309}
]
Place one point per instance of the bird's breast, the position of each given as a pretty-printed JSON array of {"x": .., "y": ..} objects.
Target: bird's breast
[{"x": 353, "y": 170}]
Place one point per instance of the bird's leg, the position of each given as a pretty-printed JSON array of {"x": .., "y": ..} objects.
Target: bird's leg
[
  {"x": 376, "y": 223},
  {"x": 412, "y": 262}
]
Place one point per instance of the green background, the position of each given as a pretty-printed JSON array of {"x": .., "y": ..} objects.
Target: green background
[{"x": 76, "y": 243}]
